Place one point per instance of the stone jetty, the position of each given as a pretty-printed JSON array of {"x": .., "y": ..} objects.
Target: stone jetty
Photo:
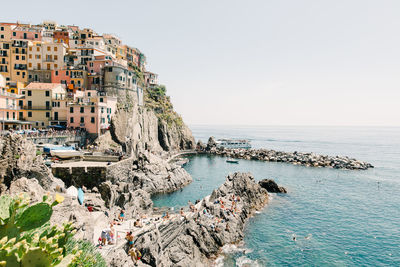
[{"x": 296, "y": 158}]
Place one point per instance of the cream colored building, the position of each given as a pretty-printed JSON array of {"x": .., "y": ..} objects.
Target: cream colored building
[
  {"x": 46, "y": 56},
  {"x": 45, "y": 104}
]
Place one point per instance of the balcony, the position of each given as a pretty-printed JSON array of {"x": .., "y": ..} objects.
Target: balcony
[
  {"x": 10, "y": 107},
  {"x": 37, "y": 108}
]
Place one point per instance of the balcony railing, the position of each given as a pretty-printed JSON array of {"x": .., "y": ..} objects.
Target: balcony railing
[
  {"x": 37, "y": 108},
  {"x": 12, "y": 107}
]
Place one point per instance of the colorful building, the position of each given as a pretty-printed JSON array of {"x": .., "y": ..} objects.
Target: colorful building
[
  {"x": 46, "y": 56},
  {"x": 39, "y": 101},
  {"x": 11, "y": 116},
  {"x": 26, "y": 32},
  {"x": 91, "y": 110}
]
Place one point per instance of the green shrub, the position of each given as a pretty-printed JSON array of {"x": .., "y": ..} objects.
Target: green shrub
[{"x": 88, "y": 257}]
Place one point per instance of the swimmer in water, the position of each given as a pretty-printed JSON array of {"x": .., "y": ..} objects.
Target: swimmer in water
[
  {"x": 308, "y": 236},
  {"x": 294, "y": 238}
]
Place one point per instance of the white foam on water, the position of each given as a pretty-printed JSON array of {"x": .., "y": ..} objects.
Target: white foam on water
[
  {"x": 219, "y": 262},
  {"x": 246, "y": 262}
]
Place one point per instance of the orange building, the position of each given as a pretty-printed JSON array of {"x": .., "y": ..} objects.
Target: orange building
[{"x": 61, "y": 37}]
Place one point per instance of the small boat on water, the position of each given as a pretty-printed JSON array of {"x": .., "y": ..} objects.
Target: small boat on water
[
  {"x": 65, "y": 154},
  {"x": 231, "y": 160},
  {"x": 233, "y": 143}
]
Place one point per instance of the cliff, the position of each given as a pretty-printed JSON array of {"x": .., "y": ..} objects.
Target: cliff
[
  {"x": 153, "y": 126},
  {"x": 19, "y": 158}
]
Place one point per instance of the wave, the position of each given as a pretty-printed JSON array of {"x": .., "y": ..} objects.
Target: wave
[{"x": 243, "y": 261}]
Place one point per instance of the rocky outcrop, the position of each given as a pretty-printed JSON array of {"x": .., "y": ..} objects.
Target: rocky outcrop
[
  {"x": 19, "y": 158},
  {"x": 139, "y": 128},
  {"x": 297, "y": 158},
  {"x": 220, "y": 219},
  {"x": 271, "y": 186}
]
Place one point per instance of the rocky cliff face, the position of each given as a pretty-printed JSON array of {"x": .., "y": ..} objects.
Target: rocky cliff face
[
  {"x": 155, "y": 126},
  {"x": 19, "y": 159}
]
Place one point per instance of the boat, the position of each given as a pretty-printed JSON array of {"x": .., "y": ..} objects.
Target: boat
[
  {"x": 233, "y": 143},
  {"x": 65, "y": 154},
  {"x": 49, "y": 147},
  {"x": 231, "y": 160}
]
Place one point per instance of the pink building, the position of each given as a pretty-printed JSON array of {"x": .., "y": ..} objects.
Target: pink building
[
  {"x": 26, "y": 33},
  {"x": 91, "y": 110}
]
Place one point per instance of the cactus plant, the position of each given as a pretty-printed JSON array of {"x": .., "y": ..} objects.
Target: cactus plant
[{"x": 26, "y": 237}]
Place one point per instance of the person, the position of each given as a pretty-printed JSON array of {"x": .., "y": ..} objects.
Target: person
[
  {"x": 135, "y": 254},
  {"x": 121, "y": 216},
  {"x": 111, "y": 235},
  {"x": 138, "y": 223},
  {"x": 129, "y": 238},
  {"x": 104, "y": 236},
  {"x": 166, "y": 216}
]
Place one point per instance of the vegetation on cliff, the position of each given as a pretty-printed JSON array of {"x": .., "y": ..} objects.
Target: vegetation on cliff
[{"x": 156, "y": 99}]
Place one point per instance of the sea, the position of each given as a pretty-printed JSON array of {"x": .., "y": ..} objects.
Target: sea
[{"x": 339, "y": 217}]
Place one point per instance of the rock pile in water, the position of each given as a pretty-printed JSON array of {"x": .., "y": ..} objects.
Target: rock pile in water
[{"x": 297, "y": 158}]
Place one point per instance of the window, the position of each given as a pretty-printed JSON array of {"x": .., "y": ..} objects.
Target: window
[
  {"x": 21, "y": 115},
  {"x": 55, "y": 57},
  {"x": 92, "y": 119},
  {"x": 101, "y": 99},
  {"x": 92, "y": 109},
  {"x": 1, "y": 28},
  {"x": 82, "y": 110},
  {"x": 23, "y": 57},
  {"x": 42, "y": 123},
  {"x": 71, "y": 109},
  {"x": 48, "y": 104},
  {"x": 55, "y": 66},
  {"x": 47, "y": 114},
  {"x": 29, "y": 104},
  {"x": 36, "y": 35},
  {"x": 30, "y": 114},
  {"x": 48, "y": 48},
  {"x": 56, "y": 72},
  {"x": 82, "y": 119},
  {"x": 8, "y": 115},
  {"x": 38, "y": 48},
  {"x": 14, "y": 34},
  {"x": 16, "y": 57},
  {"x": 89, "y": 94},
  {"x": 29, "y": 93},
  {"x": 30, "y": 56},
  {"x": 55, "y": 48},
  {"x": 71, "y": 120},
  {"x": 47, "y": 93}
]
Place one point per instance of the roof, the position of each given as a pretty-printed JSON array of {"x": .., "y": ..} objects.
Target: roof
[{"x": 43, "y": 86}]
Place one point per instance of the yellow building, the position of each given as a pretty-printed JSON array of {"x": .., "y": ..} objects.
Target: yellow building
[
  {"x": 40, "y": 98},
  {"x": 19, "y": 61},
  {"x": 5, "y": 59}
]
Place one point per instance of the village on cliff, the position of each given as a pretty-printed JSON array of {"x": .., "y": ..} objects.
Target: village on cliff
[{"x": 65, "y": 77}]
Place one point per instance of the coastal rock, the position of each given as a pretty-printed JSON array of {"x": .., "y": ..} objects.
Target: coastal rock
[
  {"x": 20, "y": 159},
  {"x": 218, "y": 220},
  {"x": 271, "y": 186},
  {"x": 211, "y": 143}
]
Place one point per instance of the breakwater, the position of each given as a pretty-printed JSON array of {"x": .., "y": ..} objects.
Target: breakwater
[{"x": 296, "y": 158}]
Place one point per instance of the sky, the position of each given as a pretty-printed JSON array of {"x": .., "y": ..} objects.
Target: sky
[{"x": 255, "y": 62}]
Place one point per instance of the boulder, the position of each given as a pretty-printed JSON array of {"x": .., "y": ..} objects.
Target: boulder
[{"x": 271, "y": 186}]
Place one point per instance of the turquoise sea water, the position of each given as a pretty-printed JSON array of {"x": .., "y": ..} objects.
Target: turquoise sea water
[{"x": 351, "y": 218}]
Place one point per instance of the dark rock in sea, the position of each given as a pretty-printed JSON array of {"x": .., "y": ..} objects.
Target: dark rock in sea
[
  {"x": 271, "y": 186},
  {"x": 211, "y": 143}
]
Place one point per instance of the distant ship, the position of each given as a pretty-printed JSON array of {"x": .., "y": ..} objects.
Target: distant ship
[{"x": 233, "y": 143}]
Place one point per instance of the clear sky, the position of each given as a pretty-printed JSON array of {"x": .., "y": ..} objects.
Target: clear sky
[{"x": 255, "y": 62}]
